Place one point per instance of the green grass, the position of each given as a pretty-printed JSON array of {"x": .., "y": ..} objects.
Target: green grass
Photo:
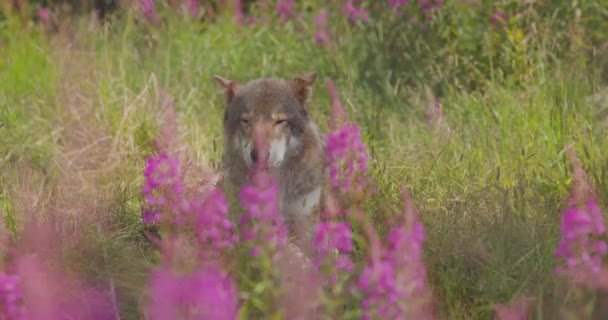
[{"x": 490, "y": 192}]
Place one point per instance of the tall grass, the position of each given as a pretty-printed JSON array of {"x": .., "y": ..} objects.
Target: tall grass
[{"x": 83, "y": 106}]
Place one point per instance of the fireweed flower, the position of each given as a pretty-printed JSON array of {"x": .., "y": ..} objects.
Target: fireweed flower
[
  {"x": 11, "y": 297},
  {"x": 348, "y": 159},
  {"x": 396, "y": 5},
  {"x": 354, "y": 13},
  {"x": 192, "y": 6},
  {"x": 428, "y": 5},
  {"x": 580, "y": 248},
  {"x": 333, "y": 237},
  {"x": 212, "y": 224},
  {"x": 239, "y": 13},
  {"x": 208, "y": 293},
  {"x": 147, "y": 9},
  {"x": 577, "y": 246},
  {"x": 285, "y": 8},
  {"x": 394, "y": 284},
  {"x": 163, "y": 188},
  {"x": 261, "y": 222},
  {"x": 322, "y": 36},
  {"x": 499, "y": 18}
]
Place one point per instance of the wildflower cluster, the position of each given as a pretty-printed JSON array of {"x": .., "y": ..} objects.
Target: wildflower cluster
[
  {"x": 163, "y": 188},
  {"x": 11, "y": 297},
  {"x": 355, "y": 13},
  {"x": 207, "y": 293},
  {"x": 347, "y": 156},
  {"x": 581, "y": 247},
  {"x": 333, "y": 238},
  {"x": 261, "y": 223},
  {"x": 394, "y": 281}
]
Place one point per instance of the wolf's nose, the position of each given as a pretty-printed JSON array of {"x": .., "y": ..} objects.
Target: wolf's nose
[{"x": 254, "y": 155}]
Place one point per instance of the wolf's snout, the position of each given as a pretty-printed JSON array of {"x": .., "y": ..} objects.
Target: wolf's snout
[{"x": 255, "y": 155}]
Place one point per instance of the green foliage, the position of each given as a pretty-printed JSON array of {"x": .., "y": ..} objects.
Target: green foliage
[{"x": 490, "y": 191}]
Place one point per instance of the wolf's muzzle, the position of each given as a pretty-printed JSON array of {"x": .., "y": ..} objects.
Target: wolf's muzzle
[{"x": 255, "y": 155}]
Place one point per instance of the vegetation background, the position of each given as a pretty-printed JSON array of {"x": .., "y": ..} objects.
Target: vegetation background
[{"x": 471, "y": 104}]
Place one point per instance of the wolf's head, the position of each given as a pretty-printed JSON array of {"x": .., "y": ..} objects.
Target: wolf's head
[{"x": 265, "y": 118}]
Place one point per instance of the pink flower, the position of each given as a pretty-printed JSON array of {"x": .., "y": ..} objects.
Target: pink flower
[
  {"x": 322, "y": 36},
  {"x": 285, "y": 8},
  {"x": 330, "y": 237},
  {"x": 163, "y": 188},
  {"x": 239, "y": 13},
  {"x": 11, "y": 297},
  {"x": 193, "y": 7},
  {"x": 355, "y": 14},
  {"x": 212, "y": 224},
  {"x": 395, "y": 5},
  {"x": 581, "y": 250},
  {"x": 394, "y": 283},
  {"x": 207, "y": 293},
  {"x": 577, "y": 247},
  {"x": 348, "y": 159},
  {"x": 499, "y": 18},
  {"x": 147, "y": 9},
  {"x": 262, "y": 224}
]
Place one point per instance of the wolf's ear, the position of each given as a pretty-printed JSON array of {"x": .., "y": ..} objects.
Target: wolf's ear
[
  {"x": 230, "y": 87},
  {"x": 302, "y": 86}
]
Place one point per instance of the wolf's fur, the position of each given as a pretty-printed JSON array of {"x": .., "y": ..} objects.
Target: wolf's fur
[{"x": 278, "y": 109}]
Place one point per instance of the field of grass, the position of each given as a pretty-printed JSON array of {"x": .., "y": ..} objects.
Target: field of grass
[{"x": 80, "y": 106}]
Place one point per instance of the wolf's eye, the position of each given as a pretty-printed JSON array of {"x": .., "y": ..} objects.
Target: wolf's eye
[
  {"x": 280, "y": 122},
  {"x": 244, "y": 121}
]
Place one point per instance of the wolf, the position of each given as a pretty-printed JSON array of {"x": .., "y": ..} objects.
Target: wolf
[{"x": 292, "y": 146}]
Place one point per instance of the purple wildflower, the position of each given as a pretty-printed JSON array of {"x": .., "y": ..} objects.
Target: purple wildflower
[
  {"x": 147, "y": 9},
  {"x": 239, "y": 13},
  {"x": 355, "y": 13},
  {"x": 207, "y": 293},
  {"x": 394, "y": 283},
  {"x": 45, "y": 18},
  {"x": 192, "y": 6},
  {"x": 330, "y": 237},
  {"x": 262, "y": 221},
  {"x": 163, "y": 188},
  {"x": 517, "y": 310},
  {"x": 499, "y": 18},
  {"x": 428, "y": 5},
  {"x": 322, "y": 36},
  {"x": 577, "y": 247},
  {"x": 212, "y": 224},
  {"x": 151, "y": 217},
  {"x": 581, "y": 227},
  {"x": 11, "y": 297},
  {"x": 285, "y": 8},
  {"x": 395, "y": 5},
  {"x": 348, "y": 159}
]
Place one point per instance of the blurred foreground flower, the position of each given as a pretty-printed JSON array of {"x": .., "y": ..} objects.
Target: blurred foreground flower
[
  {"x": 207, "y": 293},
  {"x": 163, "y": 188},
  {"x": 355, "y": 14},
  {"x": 11, "y": 297},
  {"x": 322, "y": 35},
  {"x": 261, "y": 224},
  {"x": 285, "y": 9},
  {"x": 581, "y": 248},
  {"x": 394, "y": 282},
  {"x": 147, "y": 9}
]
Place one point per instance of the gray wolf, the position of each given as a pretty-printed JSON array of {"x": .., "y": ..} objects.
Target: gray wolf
[{"x": 278, "y": 110}]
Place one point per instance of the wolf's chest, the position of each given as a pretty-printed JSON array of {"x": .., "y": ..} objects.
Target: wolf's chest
[{"x": 305, "y": 204}]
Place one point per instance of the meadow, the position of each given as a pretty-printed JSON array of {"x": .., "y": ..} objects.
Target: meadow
[{"x": 480, "y": 126}]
